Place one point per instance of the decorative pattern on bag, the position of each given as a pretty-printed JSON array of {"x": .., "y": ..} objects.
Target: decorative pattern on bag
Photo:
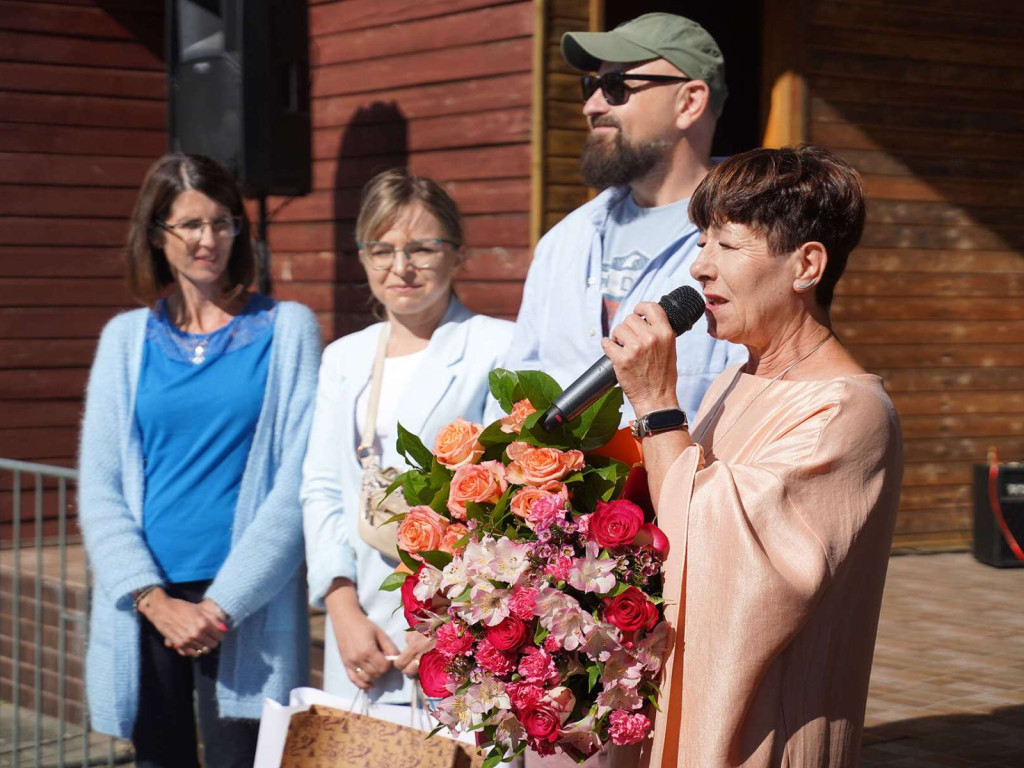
[{"x": 323, "y": 737}]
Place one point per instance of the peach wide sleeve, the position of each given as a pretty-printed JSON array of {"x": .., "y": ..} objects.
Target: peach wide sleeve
[{"x": 780, "y": 521}]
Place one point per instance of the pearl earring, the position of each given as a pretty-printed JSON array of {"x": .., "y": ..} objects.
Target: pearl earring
[{"x": 811, "y": 284}]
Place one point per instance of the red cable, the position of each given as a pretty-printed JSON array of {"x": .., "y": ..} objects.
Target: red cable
[{"x": 993, "y": 498}]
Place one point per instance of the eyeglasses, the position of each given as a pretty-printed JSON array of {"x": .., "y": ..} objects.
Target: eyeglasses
[
  {"x": 191, "y": 231},
  {"x": 613, "y": 85},
  {"x": 421, "y": 254}
]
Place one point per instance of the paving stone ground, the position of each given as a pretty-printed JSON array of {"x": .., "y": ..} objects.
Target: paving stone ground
[{"x": 947, "y": 684}]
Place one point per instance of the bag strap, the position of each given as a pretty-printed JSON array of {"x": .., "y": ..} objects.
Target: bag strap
[{"x": 366, "y": 450}]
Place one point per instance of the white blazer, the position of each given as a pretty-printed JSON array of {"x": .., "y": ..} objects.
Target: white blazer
[{"x": 450, "y": 381}]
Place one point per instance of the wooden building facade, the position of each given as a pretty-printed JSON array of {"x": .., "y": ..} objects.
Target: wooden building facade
[{"x": 924, "y": 97}]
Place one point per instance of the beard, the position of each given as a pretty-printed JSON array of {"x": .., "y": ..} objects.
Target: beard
[{"x": 618, "y": 161}]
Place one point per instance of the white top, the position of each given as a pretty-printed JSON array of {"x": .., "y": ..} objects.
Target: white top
[{"x": 394, "y": 381}]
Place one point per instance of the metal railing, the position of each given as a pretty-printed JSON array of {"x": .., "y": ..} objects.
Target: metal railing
[{"x": 33, "y": 568}]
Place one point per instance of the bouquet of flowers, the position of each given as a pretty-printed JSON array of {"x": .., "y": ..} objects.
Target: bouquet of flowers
[{"x": 533, "y": 563}]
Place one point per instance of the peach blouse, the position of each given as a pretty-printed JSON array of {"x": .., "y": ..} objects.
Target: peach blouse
[{"x": 780, "y": 522}]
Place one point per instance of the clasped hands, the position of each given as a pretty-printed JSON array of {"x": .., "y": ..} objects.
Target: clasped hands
[{"x": 192, "y": 629}]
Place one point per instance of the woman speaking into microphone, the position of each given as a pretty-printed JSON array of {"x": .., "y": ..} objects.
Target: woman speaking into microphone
[{"x": 780, "y": 504}]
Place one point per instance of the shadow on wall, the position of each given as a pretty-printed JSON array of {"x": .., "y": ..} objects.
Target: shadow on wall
[
  {"x": 144, "y": 20},
  {"x": 375, "y": 139}
]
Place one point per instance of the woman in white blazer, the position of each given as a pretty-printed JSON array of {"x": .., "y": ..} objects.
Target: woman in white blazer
[{"x": 438, "y": 357}]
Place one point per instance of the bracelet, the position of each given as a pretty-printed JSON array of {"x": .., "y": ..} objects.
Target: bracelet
[{"x": 143, "y": 593}]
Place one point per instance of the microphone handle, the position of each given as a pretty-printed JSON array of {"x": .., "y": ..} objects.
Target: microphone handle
[{"x": 586, "y": 390}]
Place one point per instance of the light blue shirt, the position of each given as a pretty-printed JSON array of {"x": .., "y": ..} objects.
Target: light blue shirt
[
  {"x": 197, "y": 415},
  {"x": 559, "y": 326}
]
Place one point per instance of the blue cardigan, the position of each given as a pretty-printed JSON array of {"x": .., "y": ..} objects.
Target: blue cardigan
[{"x": 261, "y": 584}]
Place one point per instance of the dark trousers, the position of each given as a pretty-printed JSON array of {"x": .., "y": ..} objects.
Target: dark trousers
[{"x": 173, "y": 690}]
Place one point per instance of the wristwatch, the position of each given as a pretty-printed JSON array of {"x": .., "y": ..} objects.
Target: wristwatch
[{"x": 658, "y": 421}]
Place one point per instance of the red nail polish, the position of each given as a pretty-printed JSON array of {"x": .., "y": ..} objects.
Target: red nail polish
[{"x": 222, "y": 626}]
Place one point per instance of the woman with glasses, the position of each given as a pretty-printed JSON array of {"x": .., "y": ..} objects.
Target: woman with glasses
[
  {"x": 435, "y": 356},
  {"x": 196, "y": 417}
]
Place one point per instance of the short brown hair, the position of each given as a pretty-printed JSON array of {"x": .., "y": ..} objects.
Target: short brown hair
[
  {"x": 387, "y": 194},
  {"x": 148, "y": 272},
  {"x": 789, "y": 196}
]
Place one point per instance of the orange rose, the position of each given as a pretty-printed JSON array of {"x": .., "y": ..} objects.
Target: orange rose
[
  {"x": 456, "y": 445},
  {"x": 421, "y": 531},
  {"x": 451, "y": 537},
  {"x": 481, "y": 483},
  {"x": 514, "y": 422},
  {"x": 522, "y": 501},
  {"x": 539, "y": 466}
]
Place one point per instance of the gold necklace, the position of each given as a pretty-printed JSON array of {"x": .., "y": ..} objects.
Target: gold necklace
[{"x": 707, "y": 423}]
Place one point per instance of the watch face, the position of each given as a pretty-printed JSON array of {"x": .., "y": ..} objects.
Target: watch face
[{"x": 661, "y": 420}]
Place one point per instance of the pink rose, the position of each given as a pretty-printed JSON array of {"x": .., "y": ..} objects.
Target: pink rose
[
  {"x": 480, "y": 483},
  {"x": 615, "y": 524},
  {"x": 539, "y": 466},
  {"x": 508, "y": 635},
  {"x": 456, "y": 444},
  {"x": 625, "y": 728},
  {"x": 513, "y": 423},
  {"x": 453, "y": 638},
  {"x": 433, "y": 674},
  {"x": 522, "y": 601},
  {"x": 421, "y": 530},
  {"x": 496, "y": 661},
  {"x": 452, "y": 535}
]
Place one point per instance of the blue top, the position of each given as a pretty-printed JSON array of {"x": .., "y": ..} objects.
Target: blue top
[
  {"x": 198, "y": 402},
  {"x": 261, "y": 585}
]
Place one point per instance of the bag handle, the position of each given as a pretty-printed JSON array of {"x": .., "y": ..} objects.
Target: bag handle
[{"x": 366, "y": 450}]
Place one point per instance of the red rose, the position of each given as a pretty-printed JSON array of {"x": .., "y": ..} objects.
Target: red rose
[
  {"x": 434, "y": 675},
  {"x": 615, "y": 524},
  {"x": 631, "y": 611},
  {"x": 541, "y": 723},
  {"x": 414, "y": 610},
  {"x": 651, "y": 535},
  {"x": 508, "y": 635}
]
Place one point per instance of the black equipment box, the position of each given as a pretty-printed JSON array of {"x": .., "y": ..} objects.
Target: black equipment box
[{"x": 989, "y": 545}]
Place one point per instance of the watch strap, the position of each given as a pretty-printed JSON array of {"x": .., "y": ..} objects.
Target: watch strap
[{"x": 661, "y": 420}]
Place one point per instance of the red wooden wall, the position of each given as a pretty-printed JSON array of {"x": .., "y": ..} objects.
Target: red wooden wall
[
  {"x": 81, "y": 118},
  {"x": 442, "y": 86}
]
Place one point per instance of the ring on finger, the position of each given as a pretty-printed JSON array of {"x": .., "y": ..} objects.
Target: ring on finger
[{"x": 358, "y": 670}]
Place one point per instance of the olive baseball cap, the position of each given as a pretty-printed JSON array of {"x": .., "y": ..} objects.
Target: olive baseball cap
[{"x": 678, "y": 40}]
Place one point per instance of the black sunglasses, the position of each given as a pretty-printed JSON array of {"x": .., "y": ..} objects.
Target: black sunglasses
[{"x": 613, "y": 85}]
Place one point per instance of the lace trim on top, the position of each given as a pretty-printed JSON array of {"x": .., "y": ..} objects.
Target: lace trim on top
[{"x": 254, "y": 321}]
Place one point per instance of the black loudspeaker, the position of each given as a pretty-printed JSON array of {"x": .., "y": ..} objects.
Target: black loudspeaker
[
  {"x": 238, "y": 82},
  {"x": 990, "y": 546}
]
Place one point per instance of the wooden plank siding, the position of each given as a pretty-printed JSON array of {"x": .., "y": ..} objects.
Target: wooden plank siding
[
  {"x": 442, "y": 87},
  {"x": 82, "y": 116},
  {"x": 927, "y": 101}
]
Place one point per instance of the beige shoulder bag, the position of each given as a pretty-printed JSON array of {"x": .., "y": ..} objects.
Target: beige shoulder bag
[{"x": 374, "y": 508}]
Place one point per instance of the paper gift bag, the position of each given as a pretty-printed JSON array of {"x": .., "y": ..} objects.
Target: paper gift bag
[{"x": 323, "y": 737}]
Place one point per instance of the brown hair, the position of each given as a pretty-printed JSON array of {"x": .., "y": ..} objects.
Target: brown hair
[
  {"x": 148, "y": 272},
  {"x": 789, "y": 196},
  {"x": 387, "y": 194}
]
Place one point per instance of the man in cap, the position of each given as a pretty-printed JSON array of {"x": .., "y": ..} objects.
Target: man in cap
[{"x": 652, "y": 109}]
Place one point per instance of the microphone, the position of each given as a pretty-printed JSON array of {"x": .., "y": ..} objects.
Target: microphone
[{"x": 684, "y": 306}]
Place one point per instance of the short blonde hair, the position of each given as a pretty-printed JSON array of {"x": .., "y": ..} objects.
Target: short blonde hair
[{"x": 389, "y": 193}]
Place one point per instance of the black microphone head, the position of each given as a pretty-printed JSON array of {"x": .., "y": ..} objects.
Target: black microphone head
[{"x": 684, "y": 306}]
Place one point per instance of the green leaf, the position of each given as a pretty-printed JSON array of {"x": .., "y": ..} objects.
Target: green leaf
[
  {"x": 393, "y": 581},
  {"x": 436, "y": 558},
  {"x": 440, "y": 501},
  {"x": 600, "y": 422},
  {"x": 410, "y": 562},
  {"x": 476, "y": 511},
  {"x": 393, "y": 519},
  {"x": 500, "y": 511},
  {"x": 539, "y": 634},
  {"x": 410, "y": 446},
  {"x": 539, "y": 388},
  {"x": 654, "y": 702},
  {"x": 436, "y": 731},
  {"x": 593, "y": 673},
  {"x": 503, "y": 385},
  {"x": 417, "y": 489},
  {"x": 494, "y": 757},
  {"x": 493, "y": 435},
  {"x": 560, "y": 437}
]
